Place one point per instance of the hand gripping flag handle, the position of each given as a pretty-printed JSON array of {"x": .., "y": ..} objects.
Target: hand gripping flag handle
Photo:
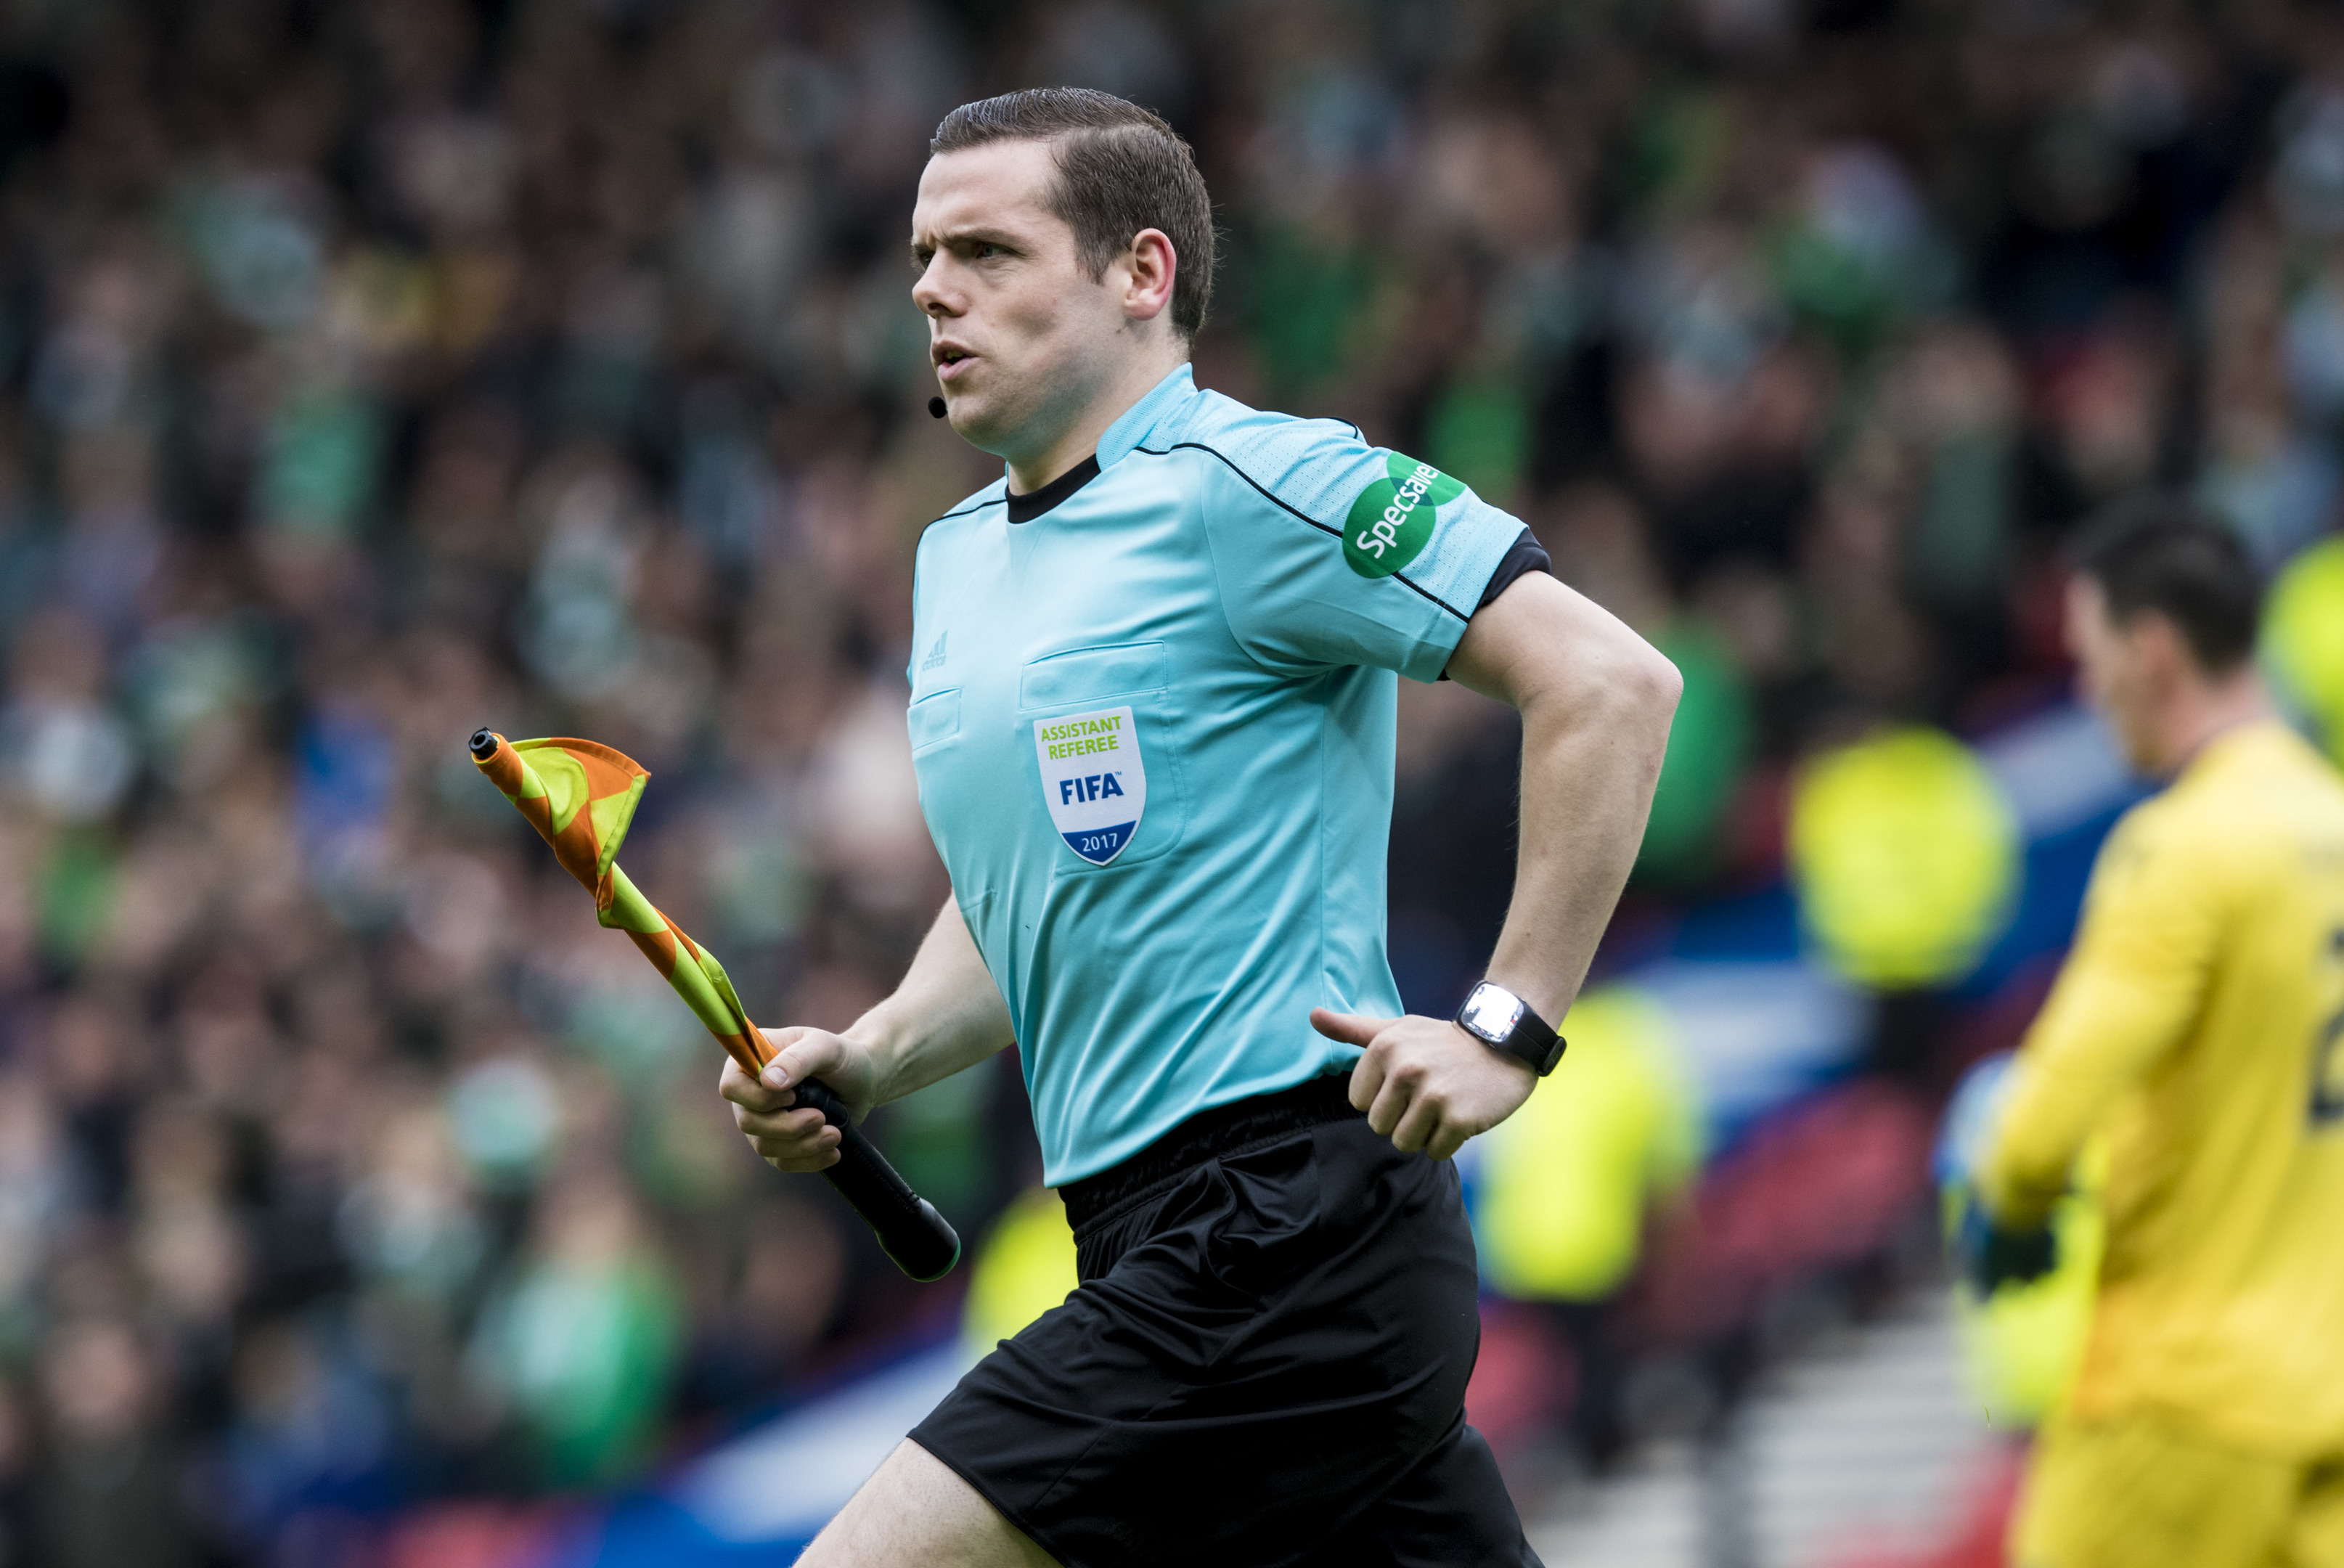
[{"x": 581, "y": 797}]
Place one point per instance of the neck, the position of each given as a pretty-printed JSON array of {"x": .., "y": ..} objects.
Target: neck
[
  {"x": 2205, "y": 711},
  {"x": 1030, "y": 470}
]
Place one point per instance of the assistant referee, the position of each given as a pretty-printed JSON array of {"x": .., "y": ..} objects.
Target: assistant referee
[{"x": 1154, "y": 676}]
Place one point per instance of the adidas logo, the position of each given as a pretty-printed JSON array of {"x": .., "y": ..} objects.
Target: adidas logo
[{"x": 935, "y": 654}]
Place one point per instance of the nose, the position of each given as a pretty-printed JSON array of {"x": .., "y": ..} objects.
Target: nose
[{"x": 931, "y": 293}]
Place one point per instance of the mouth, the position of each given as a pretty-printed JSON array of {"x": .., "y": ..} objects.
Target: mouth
[{"x": 950, "y": 361}]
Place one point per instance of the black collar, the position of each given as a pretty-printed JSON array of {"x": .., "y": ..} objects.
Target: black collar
[{"x": 1035, "y": 503}]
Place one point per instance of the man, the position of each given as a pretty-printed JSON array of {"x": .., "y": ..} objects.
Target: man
[
  {"x": 2199, "y": 1028},
  {"x": 1153, "y": 701}
]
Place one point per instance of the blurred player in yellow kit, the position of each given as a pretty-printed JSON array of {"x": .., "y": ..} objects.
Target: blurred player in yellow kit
[{"x": 2199, "y": 1025}]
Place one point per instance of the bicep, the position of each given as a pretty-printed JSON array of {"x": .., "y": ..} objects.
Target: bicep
[{"x": 1543, "y": 640}]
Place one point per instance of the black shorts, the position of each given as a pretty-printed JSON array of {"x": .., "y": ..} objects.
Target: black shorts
[{"x": 1265, "y": 1364}]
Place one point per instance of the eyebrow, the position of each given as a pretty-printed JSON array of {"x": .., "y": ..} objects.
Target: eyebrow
[{"x": 978, "y": 235}]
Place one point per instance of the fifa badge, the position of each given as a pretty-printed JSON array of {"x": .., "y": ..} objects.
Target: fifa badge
[{"x": 1093, "y": 779}]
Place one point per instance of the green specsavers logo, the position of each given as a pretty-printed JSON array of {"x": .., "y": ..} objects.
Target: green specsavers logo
[{"x": 1393, "y": 517}]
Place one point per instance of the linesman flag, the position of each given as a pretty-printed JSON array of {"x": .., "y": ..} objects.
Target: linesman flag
[{"x": 581, "y": 796}]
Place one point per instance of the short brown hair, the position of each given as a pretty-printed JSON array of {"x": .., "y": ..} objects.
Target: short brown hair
[{"x": 1120, "y": 169}]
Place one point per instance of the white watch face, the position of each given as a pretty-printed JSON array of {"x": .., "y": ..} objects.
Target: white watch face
[{"x": 1491, "y": 1012}]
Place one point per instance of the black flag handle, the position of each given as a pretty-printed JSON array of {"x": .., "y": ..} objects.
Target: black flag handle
[{"x": 921, "y": 1242}]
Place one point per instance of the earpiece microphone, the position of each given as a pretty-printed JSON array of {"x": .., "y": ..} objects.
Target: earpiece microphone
[{"x": 935, "y": 408}]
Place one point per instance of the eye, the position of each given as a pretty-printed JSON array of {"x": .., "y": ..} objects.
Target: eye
[{"x": 985, "y": 250}]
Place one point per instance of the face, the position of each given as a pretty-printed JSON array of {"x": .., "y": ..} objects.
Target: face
[
  {"x": 1021, "y": 335},
  {"x": 2125, "y": 670}
]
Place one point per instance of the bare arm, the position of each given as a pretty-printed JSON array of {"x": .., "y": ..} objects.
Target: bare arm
[
  {"x": 947, "y": 1015},
  {"x": 1596, "y": 701}
]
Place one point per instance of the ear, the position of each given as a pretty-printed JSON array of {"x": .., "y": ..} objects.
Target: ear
[
  {"x": 2159, "y": 649},
  {"x": 2085, "y": 613},
  {"x": 1151, "y": 265}
]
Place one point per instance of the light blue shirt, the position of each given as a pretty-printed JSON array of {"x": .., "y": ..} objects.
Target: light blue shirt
[{"x": 1153, "y": 727}]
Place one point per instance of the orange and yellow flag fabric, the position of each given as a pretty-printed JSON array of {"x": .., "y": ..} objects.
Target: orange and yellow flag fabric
[{"x": 581, "y": 796}]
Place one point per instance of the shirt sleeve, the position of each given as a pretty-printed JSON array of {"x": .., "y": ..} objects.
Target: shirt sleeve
[
  {"x": 1525, "y": 556},
  {"x": 1331, "y": 552},
  {"x": 2127, "y": 994}
]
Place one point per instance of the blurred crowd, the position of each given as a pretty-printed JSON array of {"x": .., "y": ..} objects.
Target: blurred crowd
[{"x": 371, "y": 371}]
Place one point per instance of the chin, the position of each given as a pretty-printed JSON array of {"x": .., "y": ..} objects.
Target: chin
[
  {"x": 980, "y": 421},
  {"x": 2140, "y": 754},
  {"x": 969, "y": 412}
]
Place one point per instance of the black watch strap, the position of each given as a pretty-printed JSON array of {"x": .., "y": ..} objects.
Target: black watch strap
[{"x": 1504, "y": 1022}]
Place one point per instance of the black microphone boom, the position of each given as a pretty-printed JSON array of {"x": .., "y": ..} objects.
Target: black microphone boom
[{"x": 935, "y": 408}]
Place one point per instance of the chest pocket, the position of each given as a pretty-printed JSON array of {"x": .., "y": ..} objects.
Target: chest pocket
[
  {"x": 934, "y": 720},
  {"x": 1100, "y": 722}
]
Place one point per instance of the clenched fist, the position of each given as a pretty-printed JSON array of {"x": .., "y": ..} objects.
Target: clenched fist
[{"x": 790, "y": 1137}]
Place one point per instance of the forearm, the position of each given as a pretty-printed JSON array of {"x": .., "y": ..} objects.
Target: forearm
[
  {"x": 1595, "y": 701},
  {"x": 947, "y": 1015},
  {"x": 2097, "y": 1036},
  {"x": 2027, "y": 1167},
  {"x": 1587, "y": 787}
]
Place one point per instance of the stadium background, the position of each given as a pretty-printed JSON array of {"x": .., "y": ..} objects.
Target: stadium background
[{"x": 371, "y": 371}]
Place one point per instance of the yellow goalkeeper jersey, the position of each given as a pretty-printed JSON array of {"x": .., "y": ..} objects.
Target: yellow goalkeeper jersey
[{"x": 2201, "y": 1021}]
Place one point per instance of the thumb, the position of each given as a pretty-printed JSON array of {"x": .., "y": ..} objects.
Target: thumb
[
  {"x": 801, "y": 1054},
  {"x": 1349, "y": 1027}
]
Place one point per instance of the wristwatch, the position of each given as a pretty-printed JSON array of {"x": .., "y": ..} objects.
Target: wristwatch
[{"x": 1504, "y": 1022}]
